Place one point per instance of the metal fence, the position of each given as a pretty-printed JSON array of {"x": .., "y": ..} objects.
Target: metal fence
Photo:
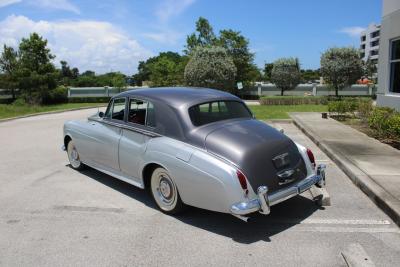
[
  {"x": 260, "y": 89},
  {"x": 311, "y": 89},
  {"x": 96, "y": 91}
]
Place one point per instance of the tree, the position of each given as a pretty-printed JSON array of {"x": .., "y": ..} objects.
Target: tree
[
  {"x": 65, "y": 69},
  {"x": 341, "y": 67},
  {"x": 8, "y": 66},
  {"x": 118, "y": 81},
  {"x": 75, "y": 73},
  {"x": 166, "y": 69},
  {"x": 310, "y": 75},
  {"x": 211, "y": 67},
  {"x": 237, "y": 47},
  {"x": 369, "y": 69},
  {"x": 36, "y": 74},
  {"x": 286, "y": 74},
  {"x": 204, "y": 36},
  {"x": 268, "y": 71}
]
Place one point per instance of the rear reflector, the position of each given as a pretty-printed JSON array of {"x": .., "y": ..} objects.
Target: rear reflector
[
  {"x": 242, "y": 179},
  {"x": 311, "y": 157}
]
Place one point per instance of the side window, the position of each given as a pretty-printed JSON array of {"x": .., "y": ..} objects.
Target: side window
[
  {"x": 108, "y": 111},
  {"x": 118, "y": 109},
  {"x": 141, "y": 112}
]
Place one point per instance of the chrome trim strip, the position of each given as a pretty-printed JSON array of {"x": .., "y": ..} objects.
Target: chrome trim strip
[
  {"x": 126, "y": 127},
  {"x": 264, "y": 200}
]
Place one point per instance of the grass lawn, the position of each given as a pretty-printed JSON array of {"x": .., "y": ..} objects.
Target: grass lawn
[
  {"x": 269, "y": 112},
  {"x": 262, "y": 112},
  {"x": 8, "y": 111}
]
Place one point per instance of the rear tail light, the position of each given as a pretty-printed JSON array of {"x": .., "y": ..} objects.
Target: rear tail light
[
  {"x": 311, "y": 157},
  {"x": 242, "y": 180}
]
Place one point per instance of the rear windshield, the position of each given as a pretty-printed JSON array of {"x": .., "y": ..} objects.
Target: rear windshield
[{"x": 217, "y": 111}]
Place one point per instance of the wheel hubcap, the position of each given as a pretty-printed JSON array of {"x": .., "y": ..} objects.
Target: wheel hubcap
[
  {"x": 164, "y": 191},
  {"x": 73, "y": 155},
  {"x": 165, "y": 188}
]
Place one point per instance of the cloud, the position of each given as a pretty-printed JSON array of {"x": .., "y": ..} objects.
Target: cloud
[
  {"x": 164, "y": 37},
  {"x": 352, "y": 31},
  {"x": 94, "y": 45},
  {"x": 4, "y": 3},
  {"x": 170, "y": 8},
  {"x": 55, "y": 4}
]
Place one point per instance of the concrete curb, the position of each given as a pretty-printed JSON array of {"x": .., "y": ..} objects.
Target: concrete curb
[
  {"x": 47, "y": 113},
  {"x": 384, "y": 200},
  {"x": 279, "y": 121}
]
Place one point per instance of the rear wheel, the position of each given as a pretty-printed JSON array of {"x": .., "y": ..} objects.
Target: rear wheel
[
  {"x": 165, "y": 193},
  {"x": 73, "y": 156}
]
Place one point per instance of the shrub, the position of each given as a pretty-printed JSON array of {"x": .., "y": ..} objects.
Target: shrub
[
  {"x": 19, "y": 102},
  {"x": 56, "y": 96},
  {"x": 364, "y": 108},
  {"x": 291, "y": 100},
  {"x": 381, "y": 120},
  {"x": 394, "y": 126},
  {"x": 102, "y": 99},
  {"x": 338, "y": 107}
]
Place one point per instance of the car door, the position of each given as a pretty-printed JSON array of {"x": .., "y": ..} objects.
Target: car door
[
  {"x": 107, "y": 133},
  {"x": 134, "y": 138}
]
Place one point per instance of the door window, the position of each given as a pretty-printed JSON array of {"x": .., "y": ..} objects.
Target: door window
[
  {"x": 141, "y": 112},
  {"x": 116, "y": 109}
]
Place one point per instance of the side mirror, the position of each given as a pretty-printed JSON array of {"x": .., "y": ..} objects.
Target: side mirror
[{"x": 101, "y": 114}]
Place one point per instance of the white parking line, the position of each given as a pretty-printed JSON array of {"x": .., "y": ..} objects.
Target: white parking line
[{"x": 344, "y": 221}]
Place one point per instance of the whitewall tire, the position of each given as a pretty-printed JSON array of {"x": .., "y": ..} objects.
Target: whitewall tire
[{"x": 165, "y": 193}]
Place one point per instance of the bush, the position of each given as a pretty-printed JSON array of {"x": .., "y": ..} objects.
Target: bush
[
  {"x": 338, "y": 107},
  {"x": 364, "y": 108},
  {"x": 19, "y": 102},
  {"x": 381, "y": 120},
  {"x": 291, "y": 100},
  {"x": 102, "y": 99},
  {"x": 56, "y": 96}
]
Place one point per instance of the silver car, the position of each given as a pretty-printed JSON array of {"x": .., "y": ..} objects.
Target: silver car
[{"x": 193, "y": 147}]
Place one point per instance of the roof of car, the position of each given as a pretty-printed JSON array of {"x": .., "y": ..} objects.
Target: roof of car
[{"x": 177, "y": 96}]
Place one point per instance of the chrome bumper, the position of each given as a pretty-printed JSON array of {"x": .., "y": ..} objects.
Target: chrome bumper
[{"x": 264, "y": 200}]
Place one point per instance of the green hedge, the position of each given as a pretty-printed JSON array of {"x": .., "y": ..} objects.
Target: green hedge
[
  {"x": 293, "y": 100},
  {"x": 386, "y": 122},
  {"x": 103, "y": 99}
]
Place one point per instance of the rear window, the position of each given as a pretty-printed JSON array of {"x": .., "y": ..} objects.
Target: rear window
[{"x": 217, "y": 111}]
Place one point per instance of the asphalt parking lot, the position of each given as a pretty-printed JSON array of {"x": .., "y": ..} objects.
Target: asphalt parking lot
[{"x": 51, "y": 215}]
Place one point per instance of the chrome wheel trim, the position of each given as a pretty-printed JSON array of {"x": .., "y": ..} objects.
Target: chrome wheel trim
[
  {"x": 164, "y": 190},
  {"x": 73, "y": 155}
]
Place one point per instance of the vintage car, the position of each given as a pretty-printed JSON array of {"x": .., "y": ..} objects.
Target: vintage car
[{"x": 193, "y": 146}]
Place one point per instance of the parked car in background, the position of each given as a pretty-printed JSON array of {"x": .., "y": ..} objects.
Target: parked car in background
[{"x": 192, "y": 146}]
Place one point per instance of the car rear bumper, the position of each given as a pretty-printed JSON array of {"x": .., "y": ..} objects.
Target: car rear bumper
[{"x": 264, "y": 201}]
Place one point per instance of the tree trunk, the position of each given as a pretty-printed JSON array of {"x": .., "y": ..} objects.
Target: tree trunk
[
  {"x": 337, "y": 91},
  {"x": 281, "y": 91}
]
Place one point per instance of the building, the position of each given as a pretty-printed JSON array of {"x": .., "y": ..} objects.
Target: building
[
  {"x": 389, "y": 56},
  {"x": 369, "y": 47}
]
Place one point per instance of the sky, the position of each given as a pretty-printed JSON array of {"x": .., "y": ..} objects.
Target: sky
[{"x": 115, "y": 35}]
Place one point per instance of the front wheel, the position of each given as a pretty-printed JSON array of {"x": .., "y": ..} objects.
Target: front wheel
[
  {"x": 165, "y": 193},
  {"x": 73, "y": 156}
]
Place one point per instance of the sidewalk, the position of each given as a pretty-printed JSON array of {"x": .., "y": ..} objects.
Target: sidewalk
[{"x": 374, "y": 167}]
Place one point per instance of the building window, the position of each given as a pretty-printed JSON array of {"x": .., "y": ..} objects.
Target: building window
[
  {"x": 363, "y": 38},
  {"x": 374, "y": 34},
  {"x": 375, "y": 43},
  {"x": 362, "y": 46},
  {"x": 395, "y": 66},
  {"x": 374, "y": 52}
]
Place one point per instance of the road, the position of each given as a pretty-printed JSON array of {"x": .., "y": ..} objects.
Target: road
[{"x": 51, "y": 215}]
